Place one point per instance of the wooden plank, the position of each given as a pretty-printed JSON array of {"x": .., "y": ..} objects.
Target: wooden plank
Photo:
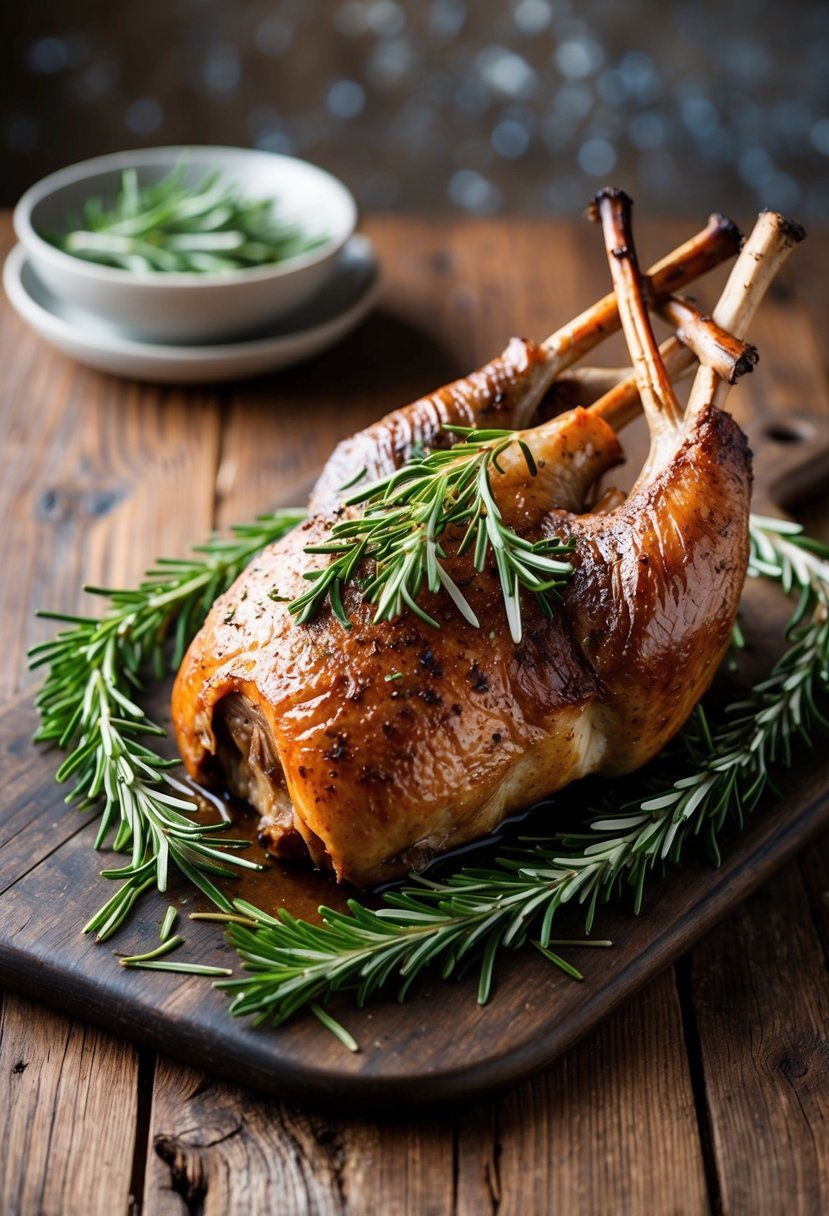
[
  {"x": 590, "y": 1127},
  {"x": 67, "y": 1114},
  {"x": 253, "y": 405},
  {"x": 106, "y": 476},
  {"x": 224, "y": 1152},
  {"x": 34, "y": 822},
  {"x": 92, "y": 486},
  {"x": 611, "y": 1126},
  {"x": 814, "y": 866},
  {"x": 762, "y": 1001},
  {"x": 593, "y": 1126}
]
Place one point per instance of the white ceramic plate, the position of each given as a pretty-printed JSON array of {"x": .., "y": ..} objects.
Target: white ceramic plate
[{"x": 340, "y": 305}]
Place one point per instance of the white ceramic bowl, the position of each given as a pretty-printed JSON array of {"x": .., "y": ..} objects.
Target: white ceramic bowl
[{"x": 187, "y": 307}]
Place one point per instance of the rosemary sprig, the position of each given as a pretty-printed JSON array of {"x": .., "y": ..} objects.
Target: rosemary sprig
[
  {"x": 170, "y": 226},
  {"x": 466, "y": 918},
  {"x": 86, "y": 707},
  {"x": 404, "y": 518},
  {"x": 718, "y": 774}
]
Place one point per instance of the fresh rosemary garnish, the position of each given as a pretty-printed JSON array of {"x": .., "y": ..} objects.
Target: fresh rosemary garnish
[
  {"x": 712, "y": 775},
  {"x": 86, "y": 707},
  {"x": 405, "y": 517},
  {"x": 170, "y": 226},
  {"x": 715, "y": 774}
]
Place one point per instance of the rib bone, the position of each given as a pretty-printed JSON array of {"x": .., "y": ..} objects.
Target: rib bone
[{"x": 659, "y": 402}]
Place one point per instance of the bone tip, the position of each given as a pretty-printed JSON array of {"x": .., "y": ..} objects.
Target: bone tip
[
  {"x": 746, "y": 363},
  {"x": 721, "y": 223},
  {"x": 612, "y": 194},
  {"x": 790, "y": 229}
]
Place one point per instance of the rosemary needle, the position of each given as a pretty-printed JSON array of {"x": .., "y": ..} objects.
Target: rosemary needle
[
  {"x": 168, "y": 922},
  {"x": 166, "y": 946},
  {"x": 560, "y": 962},
  {"x": 336, "y": 1028},
  {"x": 182, "y": 968}
]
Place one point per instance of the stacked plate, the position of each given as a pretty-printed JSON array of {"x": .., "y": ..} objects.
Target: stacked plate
[{"x": 186, "y": 326}]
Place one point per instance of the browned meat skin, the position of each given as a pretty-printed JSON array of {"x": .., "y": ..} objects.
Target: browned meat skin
[
  {"x": 385, "y": 772},
  {"x": 656, "y": 589},
  {"x": 395, "y": 741}
]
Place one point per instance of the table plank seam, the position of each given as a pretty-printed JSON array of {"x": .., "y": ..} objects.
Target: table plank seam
[{"x": 696, "y": 1071}]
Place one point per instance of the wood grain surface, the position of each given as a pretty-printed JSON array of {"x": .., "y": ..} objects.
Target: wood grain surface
[{"x": 662, "y": 1107}]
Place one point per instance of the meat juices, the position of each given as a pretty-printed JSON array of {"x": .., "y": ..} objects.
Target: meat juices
[{"x": 377, "y": 747}]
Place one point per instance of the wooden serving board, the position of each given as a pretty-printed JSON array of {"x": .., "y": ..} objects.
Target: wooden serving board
[
  {"x": 438, "y": 1046},
  {"x": 102, "y": 464}
]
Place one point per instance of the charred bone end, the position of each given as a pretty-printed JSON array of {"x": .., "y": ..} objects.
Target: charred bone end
[
  {"x": 610, "y": 193},
  {"x": 790, "y": 230},
  {"x": 745, "y": 364},
  {"x": 721, "y": 223}
]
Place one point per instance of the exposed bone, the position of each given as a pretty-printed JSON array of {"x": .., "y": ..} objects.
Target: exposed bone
[
  {"x": 699, "y": 338},
  {"x": 650, "y": 385},
  {"x": 770, "y": 243},
  {"x": 508, "y": 390},
  {"x": 659, "y": 402},
  {"x": 718, "y": 241},
  {"x": 621, "y": 403},
  {"x": 713, "y": 346}
]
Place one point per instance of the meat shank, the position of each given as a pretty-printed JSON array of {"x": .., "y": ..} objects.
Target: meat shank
[{"x": 374, "y": 748}]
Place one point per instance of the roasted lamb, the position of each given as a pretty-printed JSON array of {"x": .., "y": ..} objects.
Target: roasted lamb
[{"x": 373, "y": 748}]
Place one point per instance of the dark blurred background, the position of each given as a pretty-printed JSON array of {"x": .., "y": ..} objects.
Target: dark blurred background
[{"x": 522, "y": 105}]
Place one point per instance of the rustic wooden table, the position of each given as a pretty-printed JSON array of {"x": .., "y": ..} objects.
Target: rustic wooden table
[{"x": 707, "y": 1092}]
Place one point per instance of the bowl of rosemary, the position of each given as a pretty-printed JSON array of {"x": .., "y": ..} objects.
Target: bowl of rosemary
[{"x": 186, "y": 244}]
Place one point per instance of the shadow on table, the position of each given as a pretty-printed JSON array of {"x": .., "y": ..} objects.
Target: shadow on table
[{"x": 387, "y": 359}]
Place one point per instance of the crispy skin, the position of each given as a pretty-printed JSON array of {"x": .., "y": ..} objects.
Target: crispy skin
[{"x": 387, "y": 743}]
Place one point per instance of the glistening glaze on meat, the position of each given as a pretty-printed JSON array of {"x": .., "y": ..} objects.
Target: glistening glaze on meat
[{"x": 396, "y": 741}]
